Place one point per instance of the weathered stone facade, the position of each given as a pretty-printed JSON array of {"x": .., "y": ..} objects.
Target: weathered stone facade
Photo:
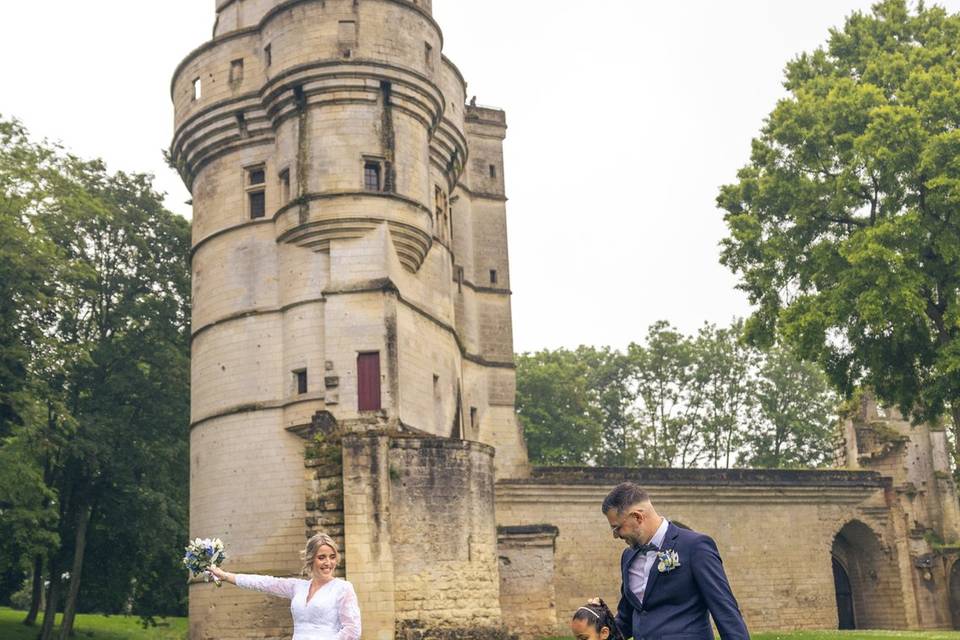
[{"x": 353, "y": 369}]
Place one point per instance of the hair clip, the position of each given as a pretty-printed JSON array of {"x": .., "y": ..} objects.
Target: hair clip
[{"x": 595, "y": 614}]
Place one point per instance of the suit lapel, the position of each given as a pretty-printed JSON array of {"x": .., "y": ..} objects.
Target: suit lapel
[
  {"x": 667, "y": 543},
  {"x": 628, "y": 559}
]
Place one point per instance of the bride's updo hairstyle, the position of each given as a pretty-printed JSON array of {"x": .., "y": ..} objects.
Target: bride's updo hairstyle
[
  {"x": 597, "y": 614},
  {"x": 309, "y": 554}
]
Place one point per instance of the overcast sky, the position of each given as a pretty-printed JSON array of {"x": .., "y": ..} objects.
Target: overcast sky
[{"x": 625, "y": 116}]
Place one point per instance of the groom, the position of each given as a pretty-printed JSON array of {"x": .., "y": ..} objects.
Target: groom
[{"x": 671, "y": 577}]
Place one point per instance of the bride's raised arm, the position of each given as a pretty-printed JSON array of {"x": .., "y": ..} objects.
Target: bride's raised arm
[{"x": 280, "y": 587}]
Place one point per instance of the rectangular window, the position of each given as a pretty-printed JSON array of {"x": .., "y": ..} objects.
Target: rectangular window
[
  {"x": 258, "y": 204},
  {"x": 347, "y": 37},
  {"x": 268, "y": 55},
  {"x": 460, "y": 279},
  {"x": 285, "y": 185},
  {"x": 256, "y": 178},
  {"x": 301, "y": 381},
  {"x": 236, "y": 72},
  {"x": 473, "y": 419},
  {"x": 493, "y": 276},
  {"x": 368, "y": 381},
  {"x": 197, "y": 89},
  {"x": 371, "y": 176},
  {"x": 428, "y": 54},
  {"x": 493, "y": 171}
]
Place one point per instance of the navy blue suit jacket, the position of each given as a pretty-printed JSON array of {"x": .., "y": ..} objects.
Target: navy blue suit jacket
[{"x": 676, "y": 603}]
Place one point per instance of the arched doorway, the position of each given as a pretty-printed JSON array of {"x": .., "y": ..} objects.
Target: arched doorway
[
  {"x": 955, "y": 594},
  {"x": 841, "y": 582},
  {"x": 868, "y": 588}
]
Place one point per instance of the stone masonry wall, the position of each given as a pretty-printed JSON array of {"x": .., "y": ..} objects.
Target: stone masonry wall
[
  {"x": 527, "y": 577},
  {"x": 775, "y": 532},
  {"x": 444, "y": 538}
]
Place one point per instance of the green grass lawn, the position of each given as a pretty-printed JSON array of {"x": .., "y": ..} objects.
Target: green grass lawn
[
  {"x": 97, "y": 627},
  {"x": 129, "y": 628},
  {"x": 849, "y": 635}
]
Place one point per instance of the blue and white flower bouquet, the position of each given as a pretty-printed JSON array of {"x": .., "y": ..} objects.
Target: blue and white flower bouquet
[{"x": 201, "y": 554}]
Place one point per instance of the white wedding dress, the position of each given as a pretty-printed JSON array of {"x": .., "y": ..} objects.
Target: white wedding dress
[{"x": 333, "y": 612}]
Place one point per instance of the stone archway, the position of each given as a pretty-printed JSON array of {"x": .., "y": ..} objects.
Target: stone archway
[
  {"x": 872, "y": 580},
  {"x": 955, "y": 594}
]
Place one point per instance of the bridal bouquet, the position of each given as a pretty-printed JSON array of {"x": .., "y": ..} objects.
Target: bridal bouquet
[{"x": 201, "y": 554}]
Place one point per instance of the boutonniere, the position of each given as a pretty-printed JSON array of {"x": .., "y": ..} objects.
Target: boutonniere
[{"x": 669, "y": 560}]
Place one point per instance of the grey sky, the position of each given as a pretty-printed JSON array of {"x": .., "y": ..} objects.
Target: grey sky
[{"x": 625, "y": 116}]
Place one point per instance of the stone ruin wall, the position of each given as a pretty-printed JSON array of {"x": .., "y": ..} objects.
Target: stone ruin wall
[
  {"x": 421, "y": 540},
  {"x": 775, "y": 531}
]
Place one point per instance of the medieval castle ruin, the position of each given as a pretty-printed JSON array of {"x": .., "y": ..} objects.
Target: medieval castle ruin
[{"x": 353, "y": 369}]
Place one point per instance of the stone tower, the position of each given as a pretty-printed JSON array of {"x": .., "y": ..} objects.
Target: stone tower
[{"x": 352, "y": 349}]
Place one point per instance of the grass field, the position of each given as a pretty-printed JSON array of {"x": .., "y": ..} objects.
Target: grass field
[
  {"x": 850, "y": 635},
  {"x": 128, "y": 628},
  {"x": 97, "y": 627}
]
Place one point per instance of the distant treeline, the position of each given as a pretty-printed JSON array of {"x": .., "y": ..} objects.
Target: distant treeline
[{"x": 707, "y": 400}]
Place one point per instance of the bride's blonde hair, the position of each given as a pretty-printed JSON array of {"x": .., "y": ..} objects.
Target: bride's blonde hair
[{"x": 309, "y": 554}]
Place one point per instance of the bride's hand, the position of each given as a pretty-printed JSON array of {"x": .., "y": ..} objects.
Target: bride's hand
[{"x": 217, "y": 573}]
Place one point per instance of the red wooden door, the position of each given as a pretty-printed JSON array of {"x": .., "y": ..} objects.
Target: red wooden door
[{"x": 368, "y": 381}]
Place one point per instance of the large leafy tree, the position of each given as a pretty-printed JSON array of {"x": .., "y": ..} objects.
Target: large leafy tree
[
  {"x": 108, "y": 368},
  {"x": 844, "y": 225}
]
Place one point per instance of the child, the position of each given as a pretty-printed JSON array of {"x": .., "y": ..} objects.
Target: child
[{"x": 594, "y": 621}]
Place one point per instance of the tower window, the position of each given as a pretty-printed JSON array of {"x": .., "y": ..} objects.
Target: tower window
[
  {"x": 285, "y": 185},
  {"x": 197, "y": 89},
  {"x": 473, "y": 419},
  {"x": 258, "y": 204},
  {"x": 428, "y": 54},
  {"x": 347, "y": 37},
  {"x": 368, "y": 381},
  {"x": 236, "y": 72},
  {"x": 242, "y": 124},
  {"x": 301, "y": 378},
  {"x": 493, "y": 171},
  {"x": 493, "y": 276},
  {"x": 256, "y": 192},
  {"x": 268, "y": 55},
  {"x": 371, "y": 175}
]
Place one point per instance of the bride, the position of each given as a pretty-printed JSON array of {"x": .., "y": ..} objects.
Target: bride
[{"x": 324, "y": 607}]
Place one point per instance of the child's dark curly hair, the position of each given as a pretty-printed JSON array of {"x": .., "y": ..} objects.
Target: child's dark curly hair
[{"x": 597, "y": 614}]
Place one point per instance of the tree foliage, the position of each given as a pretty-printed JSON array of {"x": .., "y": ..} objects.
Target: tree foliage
[
  {"x": 94, "y": 362},
  {"x": 843, "y": 227},
  {"x": 676, "y": 401}
]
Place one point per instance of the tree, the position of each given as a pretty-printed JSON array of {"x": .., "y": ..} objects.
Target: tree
[
  {"x": 670, "y": 397},
  {"x": 844, "y": 226},
  {"x": 726, "y": 368},
  {"x": 108, "y": 444},
  {"x": 797, "y": 416},
  {"x": 611, "y": 377},
  {"x": 555, "y": 407}
]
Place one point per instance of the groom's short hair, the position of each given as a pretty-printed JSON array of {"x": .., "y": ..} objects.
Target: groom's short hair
[{"x": 624, "y": 496}]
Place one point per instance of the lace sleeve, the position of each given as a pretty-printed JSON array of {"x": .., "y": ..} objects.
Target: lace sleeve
[
  {"x": 280, "y": 587},
  {"x": 349, "y": 609}
]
